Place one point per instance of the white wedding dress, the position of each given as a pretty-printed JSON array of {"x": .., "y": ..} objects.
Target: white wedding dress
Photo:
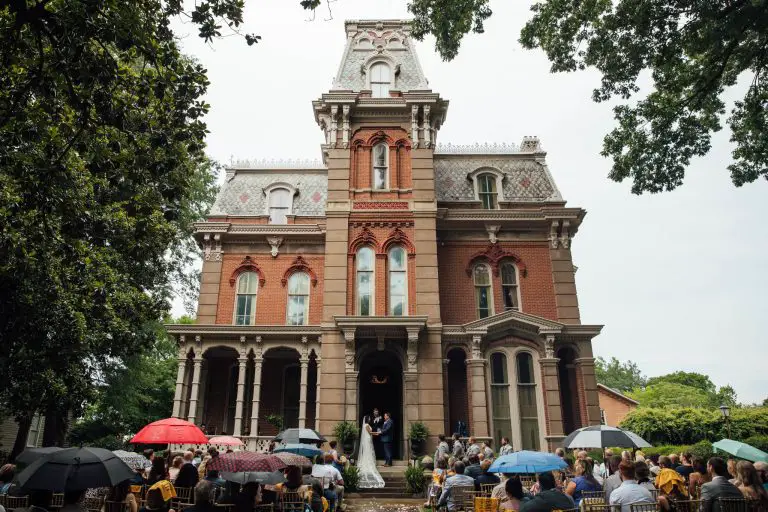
[{"x": 369, "y": 477}]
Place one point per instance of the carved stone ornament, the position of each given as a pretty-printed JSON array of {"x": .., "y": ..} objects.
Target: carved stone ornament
[
  {"x": 247, "y": 265},
  {"x": 398, "y": 237},
  {"x": 349, "y": 349},
  {"x": 365, "y": 237},
  {"x": 492, "y": 232},
  {"x": 549, "y": 347},
  {"x": 477, "y": 352},
  {"x": 565, "y": 235},
  {"x": 494, "y": 255},
  {"x": 258, "y": 349},
  {"x": 274, "y": 242},
  {"x": 212, "y": 247},
  {"x": 299, "y": 265}
]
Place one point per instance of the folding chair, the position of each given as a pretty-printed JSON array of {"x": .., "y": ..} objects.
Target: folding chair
[
  {"x": 458, "y": 495},
  {"x": 593, "y": 495},
  {"x": 594, "y": 505},
  {"x": 733, "y": 504},
  {"x": 644, "y": 507},
  {"x": 469, "y": 499},
  {"x": 291, "y": 502},
  {"x": 57, "y": 500},
  {"x": 486, "y": 489},
  {"x": 654, "y": 493},
  {"x": 116, "y": 506},
  {"x": 687, "y": 505},
  {"x": 183, "y": 495},
  {"x": 93, "y": 504},
  {"x": 14, "y": 502}
]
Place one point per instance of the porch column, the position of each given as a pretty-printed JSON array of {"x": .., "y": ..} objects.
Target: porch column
[
  {"x": 585, "y": 368},
  {"x": 478, "y": 401},
  {"x": 177, "y": 397},
  {"x": 194, "y": 395},
  {"x": 317, "y": 396},
  {"x": 304, "y": 362},
  {"x": 243, "y": 361},
  {"x": 257, "y": 360},
  {"x": 350, "y": 376},
  {"x": 553, "y": 410}
]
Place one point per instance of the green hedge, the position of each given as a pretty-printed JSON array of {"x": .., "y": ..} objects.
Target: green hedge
[{"x": 688, "y": 426}]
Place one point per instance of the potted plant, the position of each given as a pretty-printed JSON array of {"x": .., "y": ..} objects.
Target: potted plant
[
  {"x": 346, "y": 433},
  {"x": 276, "y": 421},
  {"x": 415, "y": 482},
  {"x": 418, "y": 435}
]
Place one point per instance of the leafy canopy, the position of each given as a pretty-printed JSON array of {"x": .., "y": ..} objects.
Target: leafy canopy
[
  {"x": 683, "y": 389},
  {"x": 617, "y": 375},
  {"x": 691, "y": 51}
]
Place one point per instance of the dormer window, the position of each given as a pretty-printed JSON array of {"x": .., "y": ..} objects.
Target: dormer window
[
  {"x": 279, "y": 202},
  {"x": 486, "y": 185},
  {"x": 380, "y": 166},
  {"x": 380, "y": 80}
]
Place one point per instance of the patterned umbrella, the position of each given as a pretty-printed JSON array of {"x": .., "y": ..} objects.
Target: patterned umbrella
[
  {"x": 291, "y": 459},
  {"x": 238, "y": 462},
  {"x": 225, "y": 441},
  {"x": 170, "y": 431},
  {"x": 601, "y": 436},
  {"x": 134, "y": 460}
]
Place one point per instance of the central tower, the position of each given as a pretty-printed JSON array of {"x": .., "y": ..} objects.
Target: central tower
[{"x": 381, "y": 293}]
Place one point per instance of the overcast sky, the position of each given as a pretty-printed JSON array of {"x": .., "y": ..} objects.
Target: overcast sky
[{"x": 679, "y": 279}]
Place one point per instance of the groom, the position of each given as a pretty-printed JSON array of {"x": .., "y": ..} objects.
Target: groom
[{"x": 387, "y": 438}]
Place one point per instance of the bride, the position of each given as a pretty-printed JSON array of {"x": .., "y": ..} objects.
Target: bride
[{"x": 366, "y": 461}]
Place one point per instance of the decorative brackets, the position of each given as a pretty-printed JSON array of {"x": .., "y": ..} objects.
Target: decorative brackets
[
  {"x": 247, "y": 265},
  {"x": 494, "y": 254},
  {"x": 299, "y": 265}
]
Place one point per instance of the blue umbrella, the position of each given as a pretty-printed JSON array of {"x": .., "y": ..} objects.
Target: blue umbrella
[
  {"x": 527, "y": 462},
  {"x": 307, "y": 450}
]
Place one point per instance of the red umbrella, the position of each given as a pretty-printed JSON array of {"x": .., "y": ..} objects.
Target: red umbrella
[
  {"x": 170, "y": 431},
  {"x": 225, "y": 441},
  {"x": 238, "y": 462}
]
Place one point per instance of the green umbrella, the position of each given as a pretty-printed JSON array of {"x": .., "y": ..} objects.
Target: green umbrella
[{"x": 740, "y": 450}]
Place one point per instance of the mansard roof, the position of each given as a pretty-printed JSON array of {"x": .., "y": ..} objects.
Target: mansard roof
[
  {"x": 244, "y": 191},
  {"x": 370, "y": 41},
  {"x": 526, "y": 177}
]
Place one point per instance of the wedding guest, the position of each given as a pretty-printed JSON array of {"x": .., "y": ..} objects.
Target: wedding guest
[
  {"x": 514, "y": 495},
  {"x": 549, "y": 498},
  {"x": 458, "y": 480},
  {"x": 626, "y": 456},
  {"x": 473, "y": 470},
  {"x": 157, "y": 473},
  {"x": 443, "y": 450},
  {"x": 316, "y": 503},
  {"x": 472, "y": 447},
  {"x": 486, "y": 449},
  {"x": 669, "y": 481},
  {"x": 751, "y": 486},
  {"x": 247, "y": 498},
  {"x": 173, "y": 471},
  {"x": 156, "y": 499},
  {"x": 584, "y": 481},
  {"x": 698, "y": 477},
  {"x": 204, "y": 495},
  {"x": 614, "y": 480},
  {"x": 458, "y": 448},
  {"x": 439, "y": 474},
  {"x": 685, "y": 468},
  {"x": 506, "y": 447},
  {"x": 73, "y": 500},
  {"x": 762, "y": 470},
  {"x": 485, "y": 477},
  {"x": 719, "y": 487},
  {"x": 7, "y": 475},
  {"x": 121, "y": 493},
  {"x": 643, "y": 475},
  {"x": 734, "y": 475},
  {"x": 639, "y": 456},
  {"x": 629, "y": 491}
]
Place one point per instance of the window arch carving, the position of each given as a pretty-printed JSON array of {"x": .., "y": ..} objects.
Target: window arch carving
[
  {"x": 247, "y": 265},
  {"x": 494, "y": 255},
  {"x": 299, "y": 265},
  {"x": 398, "y": 237},
  {"x": 365, "y": 237}
]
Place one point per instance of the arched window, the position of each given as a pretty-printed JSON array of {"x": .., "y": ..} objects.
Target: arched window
[
  {"x": 298, "y": 298},
  {"x": 509, "y": 288},
  {"x": 245, "y": 300},
  {"x": 526, "y": 396},
  {"x": 280, "y": 200},
  {"x": 364, "y": 281},
  {"x": 502, "y": 417},
  {"x": 483, "y": 294},
  {"x": 398, "y": 282},
  {"x": 380, "y": 80},
  {"x": 487, "y": 191},
  {"x": 380, "y": 166}
]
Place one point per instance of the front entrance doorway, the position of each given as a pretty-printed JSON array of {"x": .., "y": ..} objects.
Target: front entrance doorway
[{"x": 381, "y": 386}]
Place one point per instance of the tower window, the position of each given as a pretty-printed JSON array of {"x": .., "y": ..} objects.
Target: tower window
[
  {"x": 380, "y": 80},
  {"x": 280, "y": 202},
  {"x": 298, "y": 298},
  {"x": 380, "y": 166},
  {"x": 398, "y": 287},
  {"x": 245, "y": 301},
  {"x": 483, "y": 295},
  {"x": 364, "y": 280},
  {"x": 509, "y": 287},
  {"x": 526, "y": 396},
  {"x": 486, "y": 190}
]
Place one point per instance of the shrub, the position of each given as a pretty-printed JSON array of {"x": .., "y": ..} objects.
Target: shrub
[
  {"x": 760, "y": 442},
  {"x": 345, "y": 432},
  {"x": 276, "y": 421},
  {"x": 351, "y": 476},
  {"x": 415, "y": 482},
  {"x": 418, "y": 432}
]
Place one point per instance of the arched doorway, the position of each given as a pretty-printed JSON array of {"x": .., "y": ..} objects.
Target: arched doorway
[
  {"x": 457, "y": 398},
  {"x": 219, "y": 381},
  {"x": 280, "y": 389},
  {"x": 569, "y": 391},
  {"x": 381, "y": 386}
]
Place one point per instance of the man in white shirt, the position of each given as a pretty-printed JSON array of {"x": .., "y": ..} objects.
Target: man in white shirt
[
  {"x": 330, "y": 477},
  {"x": 629, "y": 492},
  {"x": 472, "y": 447}
]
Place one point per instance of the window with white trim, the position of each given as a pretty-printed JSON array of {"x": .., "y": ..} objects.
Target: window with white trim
[
  {"x": 509, "y": 288},
  {"x": 526, "y": 397},
  {"x": 364, "y": 264},
  {"x": 380, "y": 80},
  {"x": 380, "y": 166},
  {"x": 280, "y": 202},
  {"x": 245, "y": 298},
  {"x": 502, "y": 415},
  {"x": 483, "y": 290},
  {"x": 487, "y": 191},
  {"x": 398, "y": 282},
  {"x": 298, "y": 298}
]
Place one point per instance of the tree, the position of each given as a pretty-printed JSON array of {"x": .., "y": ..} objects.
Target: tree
[
  {"x": 617, "y": 375},
  {"x": 715, "y": 397},
  {"x": 692, "y": 379},
  {"x": 671, "y": 394},
  {"x": 691, "y": 51},
  {"x": 102, "y": 174}
]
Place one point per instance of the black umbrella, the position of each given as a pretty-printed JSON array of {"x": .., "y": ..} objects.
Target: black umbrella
[
  {"x": 30, "y": 455},
  {"x": 299, "y": 436},
  {"x": 74, "y": 469},
  {"x": 602, "y": 436}
]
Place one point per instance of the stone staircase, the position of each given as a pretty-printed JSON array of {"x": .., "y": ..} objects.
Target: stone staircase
[{"x": 393, "y": 493}]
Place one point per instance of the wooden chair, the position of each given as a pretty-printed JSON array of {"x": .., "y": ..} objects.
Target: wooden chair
[
  {"x": 116, "y": 506},
  {"x": 595, "y": 505},
  {"x": 593, "y": 495},
  {"x": 469, "y": 499},
  {"x": 644, "y": 507},
  {"x": 458, "y": 495},
  {"x": 183, "y": 495},
  {"x": 14, "y": 502},
  {"x": 687, "y": 505},
  {"x": 654, "y": 493},
  {"x": 487, "y": 489},
  {"x": 291, "y": 502},
  {"x": 57, "y": 500},
  {"x": 733, "y": 505}
]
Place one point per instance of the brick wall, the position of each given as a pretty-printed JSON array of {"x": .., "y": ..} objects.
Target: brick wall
[
  {"x": 400, "y": 173},
  {"x": 615, "y": 408},
  {"x": 457, "y": 291},
  {"x": 272, "y": 299}
]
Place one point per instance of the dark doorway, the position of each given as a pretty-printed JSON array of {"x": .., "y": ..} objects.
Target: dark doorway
[
  {"x": 381, "y": 387},
  {"x": 458, "y": 398},
  {"x": 569, "y": 392}
]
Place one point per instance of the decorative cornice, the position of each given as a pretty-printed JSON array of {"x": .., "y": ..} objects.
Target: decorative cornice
[
  {"x": 234, "y": 331},
  {"x": 476, "y": 149},
  {"x": 380, "y": 205},
  {"x": 299, "y": 265},
  {"x": 494, "y": 255},
  {"x": 267, "y": 164},
  {"x": 247, "y": 265},
  {"x": 258, "y": 229},
  {"x": 350, "y": 322}
]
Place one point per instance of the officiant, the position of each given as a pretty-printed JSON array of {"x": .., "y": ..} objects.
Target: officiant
[{"x": 376, "y": 421}]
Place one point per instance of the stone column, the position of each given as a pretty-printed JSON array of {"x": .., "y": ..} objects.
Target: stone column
[
  {"x": 194, "y": 395},
  {"x": 350, "y": 376},
  {"x": 478, "y": 400},
  {"x": 177, "y": 397},
  {"x": 317, "y": 396},
  {"x": 304, "y": 362},
  {"x": 257, "y": 360},
  {"x": 585, "y": 368},
  {"x": 242, "y": 364},
  {"x": 553, "y": 412}
]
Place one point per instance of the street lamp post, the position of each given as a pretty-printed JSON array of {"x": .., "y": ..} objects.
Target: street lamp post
[{"x": 726, "y": 411}]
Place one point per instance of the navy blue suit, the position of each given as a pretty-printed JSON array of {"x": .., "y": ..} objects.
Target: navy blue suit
[{"x": 387, "y": 439}]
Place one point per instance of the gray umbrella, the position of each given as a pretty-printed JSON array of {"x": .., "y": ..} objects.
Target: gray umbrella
[
  {"x": 261, "y": 477},
  {"x": 75, "y": 469},
  {"x": 299, "y": 435}
]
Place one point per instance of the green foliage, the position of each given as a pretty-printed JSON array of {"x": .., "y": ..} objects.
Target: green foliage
[
  {"x": 418, "y": 431},
  {"x": 670, "y": 394},
  {"x": 415, "y": 481},
  {"x": 351, "y": 476},
  {"x": 702, "y": 449},
  {"x": 692, "y": 379},
  {"x": 661, "y": 426},
  {"x": 692, "y": 53},
  {"x": 758, "y": 441},
  {"x": 276, "y": 421},
  {"x": 345, "y": 432},
  {"x": 617, "y": 375}
]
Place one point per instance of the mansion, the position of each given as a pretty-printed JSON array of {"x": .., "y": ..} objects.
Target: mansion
[{"x": 432, "y": 281}]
